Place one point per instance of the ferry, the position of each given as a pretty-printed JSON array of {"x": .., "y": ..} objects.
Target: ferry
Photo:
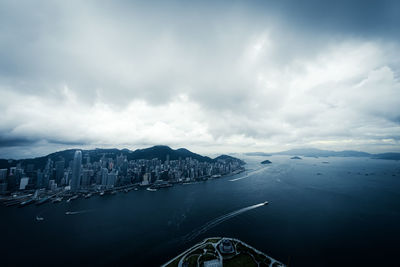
[
  {"x": 57, "y": 200},
  {"x": 151, "y": 189},
  {"x": 26, "y": 202},
  {"x": 72, "y": 198}
]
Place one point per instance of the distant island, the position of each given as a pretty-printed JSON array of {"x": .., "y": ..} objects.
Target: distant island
[
  {"x": 69, "y": 174},
  {"x": 266, "y": 162},
  {"x": 313, "y": 152},
  {"x": 295, "y": 157},
  {"x": 222, "y": 251}
]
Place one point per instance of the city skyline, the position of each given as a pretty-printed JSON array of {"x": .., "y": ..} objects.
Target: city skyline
[{"x": 214, "y": 77}]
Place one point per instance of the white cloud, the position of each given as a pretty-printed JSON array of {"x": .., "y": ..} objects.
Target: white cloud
[{"x": 226, "y": 82}]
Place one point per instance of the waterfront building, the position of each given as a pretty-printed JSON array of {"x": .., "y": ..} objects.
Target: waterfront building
[
  {"x": 3, "y": 175},
  {"x": 76, "y": 171},
  {"x": 39, "y": 179},
  {"x": 104, "y": 176},
  {"x": 226, "y": 246},
  {"x": 59, "y": 166},
  {"x": 24, "y": 182},
  {"x": 111, "y": 179}
]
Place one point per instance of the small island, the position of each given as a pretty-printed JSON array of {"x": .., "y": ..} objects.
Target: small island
[
  {"x": 222, "y": 251},
  {"x": 295, "y": 157},
  {"x": 266, "y": 162}
]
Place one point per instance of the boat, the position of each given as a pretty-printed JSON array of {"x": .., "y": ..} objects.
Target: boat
[
  {"x": 57, "y": 200},
  {"x": 151, "y": 189},
  {"x": 39, "y": 218},
  {"x": 72, "y": 198},
  {"x": 113, "y": 192},
  {"x": 265, "y": 203},
  {"x": 26, "y": 202},
  {"x": 88, "y": 195},
  {"x": 102, "y": 193}
]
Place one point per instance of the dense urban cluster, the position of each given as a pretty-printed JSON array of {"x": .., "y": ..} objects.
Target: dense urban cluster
[{"x": 82, "y": 175}]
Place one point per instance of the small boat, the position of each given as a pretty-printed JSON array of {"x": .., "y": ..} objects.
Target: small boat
[
  {"x": 136, "y": 189},
  {"x": 88, "y": 195},
  {"x": 102, "y": 193},
  {"x": 26, "y": 202},
  {"x": 113, "y": 192},
  {"x": 72, "y": 198},
  {"x": 151, "y": 189},
  {"x": 265, "y": 203},
  {"x": 57, "y": 200},
  {"x": 39, "y": 218}
]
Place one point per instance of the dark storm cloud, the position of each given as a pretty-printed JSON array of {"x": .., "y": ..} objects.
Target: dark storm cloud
[
  {"x": 357, "y": 17},
  {"x": 216, "y": 74}
]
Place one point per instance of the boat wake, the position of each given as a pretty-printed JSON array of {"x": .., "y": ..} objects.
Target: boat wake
[
  {"x": 77, "y": 212},
  {"x": 248, "y": 174},
  {"x": 211, "y": 224}
]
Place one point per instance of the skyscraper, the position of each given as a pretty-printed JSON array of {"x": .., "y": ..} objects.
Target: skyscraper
[{"x": 76, "y": 171}]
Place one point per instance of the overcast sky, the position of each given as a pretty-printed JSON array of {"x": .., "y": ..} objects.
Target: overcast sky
[{"x": 211, "y": 76}]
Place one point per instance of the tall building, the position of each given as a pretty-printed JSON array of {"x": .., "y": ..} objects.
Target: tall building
[
  {"x": 3, "y": 175},
  {"x": 112, "y": 179},
  {"x": 39, "y": 180},
  {"x": 59, "y": 165},
  {"x": 76, "y": 171},
  {"x": 104, "y": 176}
]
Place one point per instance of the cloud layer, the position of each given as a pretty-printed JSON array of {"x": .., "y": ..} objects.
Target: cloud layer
[{"x": 210, "y": 77}]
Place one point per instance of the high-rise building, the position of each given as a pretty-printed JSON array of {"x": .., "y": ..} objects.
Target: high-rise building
[
  {"x": 111, "y": 179},
  {"x": 76, "y": 171},
  {"x": 39, "y": 180},
  {"x": 59, "y": 165},
  {"x": 3, "y": 175},
  {"x": 104, "y": 176},
  {"x": 24, "y": 182}
]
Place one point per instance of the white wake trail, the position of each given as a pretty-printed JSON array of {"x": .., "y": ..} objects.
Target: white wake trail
[
  {"x": 248, "y": 175},
  {"x": 217, "y": 221}
]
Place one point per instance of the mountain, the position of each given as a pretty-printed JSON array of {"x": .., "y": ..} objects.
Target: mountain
[
  {"x": 391, "y": 155},
  {"x": 262, "y": 154},
  {"x": 314, "y": 152},
  {"x": 229, "y": 159},
  {"x": 159, "y": 152}
]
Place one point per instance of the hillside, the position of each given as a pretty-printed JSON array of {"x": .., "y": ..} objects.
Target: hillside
[{"x": 159, "y": 152}]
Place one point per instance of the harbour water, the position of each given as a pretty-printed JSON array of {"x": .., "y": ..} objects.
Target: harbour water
[{"x": 321, "y": 212}]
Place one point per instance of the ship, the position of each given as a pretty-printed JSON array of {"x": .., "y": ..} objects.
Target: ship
[
  {"x": 72, "y": 198},
  {"x": 39, "y": 218},
  {"x": 57, "y": 200},
  {"x": 26, "y": 202},
  {"x": 151, "y": 189}
]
